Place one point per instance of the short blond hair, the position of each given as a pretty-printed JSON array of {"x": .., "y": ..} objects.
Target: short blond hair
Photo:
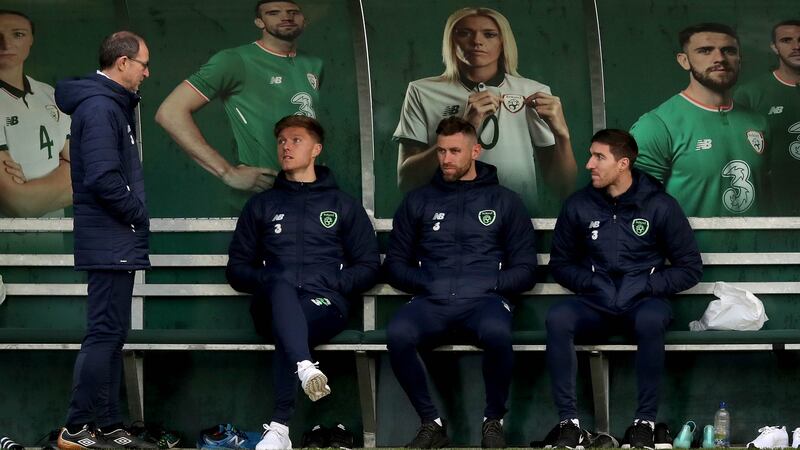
[{"x": 509, "y": 56}]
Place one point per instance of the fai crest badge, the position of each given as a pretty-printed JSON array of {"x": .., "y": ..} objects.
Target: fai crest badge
[
  {"x": 312, "y": 80},
  {"x": 54, "y": 112},
  {"x": 756, "y": 139},
  {"x": 513, "y": 102},
  {"x": 486, "y": 217},
  {"x": 328, "y": 218},
  {"x": 640, "y": 226}
]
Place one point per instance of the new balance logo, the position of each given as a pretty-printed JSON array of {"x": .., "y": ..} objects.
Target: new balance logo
[
  {"x": 277, "y": 217},
  {"x": 594, "y": 224},
  {"x": 276, "y": 80},
  {"x": 775, "y": 110},
  {"x": 321, "y": 301},
  {"x": 237, "y": 441},
  {"x": 13, "y": 120},
  {"x": 438, "y": 216},
  {"x": 703, "y": 144},
  {"x": 450, "y": 110}
]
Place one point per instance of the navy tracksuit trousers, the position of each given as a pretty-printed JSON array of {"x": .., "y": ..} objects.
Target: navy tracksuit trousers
[
  {"x": 298, "y": 324},
  {"x": 424, "y": 322},
  {"x": 573, "y": 320},
  {"x": 97, "y": 376}
]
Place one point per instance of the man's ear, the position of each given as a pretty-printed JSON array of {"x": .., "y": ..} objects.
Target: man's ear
[
  {"x": 683, "y": 61},
  {"x": 624, "y": 164},
  {"x": 259, "y": 23},
  {"x": 316, "y": 150},
  {"x": 476, "y": 151},
  {"x": 774, "y": 49}
]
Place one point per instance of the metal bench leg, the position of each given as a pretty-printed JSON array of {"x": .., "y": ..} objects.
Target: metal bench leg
[
  {"x": 365, "y": 369},
  {"x": 134, "y": 384},
  {"x": 598, "y": 366}
]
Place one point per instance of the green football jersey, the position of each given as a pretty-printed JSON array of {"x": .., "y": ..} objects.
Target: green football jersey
[
  {"x": 779, "y": 102},
  {"x": 258, "y": 88},
  {"x": 711, "y": 160}
]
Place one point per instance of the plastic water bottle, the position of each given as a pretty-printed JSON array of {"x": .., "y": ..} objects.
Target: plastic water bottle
[{"x": 722, "y": 426}]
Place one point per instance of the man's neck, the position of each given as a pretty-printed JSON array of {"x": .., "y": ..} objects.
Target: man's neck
[
  {"x": 114, "y": 76},
  {"x": 788, "y": 74},
  {"x": 706, "y": 96},
  {"x": 479, "y": 74},
  {"x": 14, "y": 77},
  {"x": 621, "y": 185},
  {"x": 304, "y": 175},
  {"x": 276, "y": 45}
]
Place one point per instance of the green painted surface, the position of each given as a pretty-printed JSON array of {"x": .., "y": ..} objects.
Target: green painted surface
[{"x": 189, "y": 391}]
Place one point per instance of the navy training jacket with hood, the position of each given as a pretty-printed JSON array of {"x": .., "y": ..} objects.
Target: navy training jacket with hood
[
  {"x": 612, "y": 251},
  {"x": 462, "y": 239},
  {"x": 111, "y": 220},
  {"x": 311, "y": 235}
]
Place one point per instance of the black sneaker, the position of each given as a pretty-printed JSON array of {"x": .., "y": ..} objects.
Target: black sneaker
[
  {"x": 493, "y": 436},
  {"x": 639, "y": 435},
  {"x": 316, "y": 437},
  {"x": 6, "y": 443},
  {"x": 85, "y": 438},
  {"x": 662, "y": 438},
  {"x": 122, "y": 438},
  {"x": 570, "y": 436},
  {"x": 430, "y": 435},
  {"x": 340, "y": 437},
  {"x": 601, "y": 440}
]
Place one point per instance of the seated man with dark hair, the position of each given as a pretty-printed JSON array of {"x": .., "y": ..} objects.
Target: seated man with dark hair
[
  {"x": 462, "y": 245},
  {"x": 303, "y": 248},
  {"x": 610, "y": 247}
]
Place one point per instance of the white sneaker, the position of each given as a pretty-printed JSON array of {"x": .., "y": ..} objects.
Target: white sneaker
[
  {"x": 275, "y": 437},
  {"x": 314, "y": 382},
  {"x": 796, "y": 438},
  {"x": 770, "y": 437}
]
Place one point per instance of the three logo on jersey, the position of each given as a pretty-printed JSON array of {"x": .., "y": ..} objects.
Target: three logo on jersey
[{"x": 794, "y": 147}]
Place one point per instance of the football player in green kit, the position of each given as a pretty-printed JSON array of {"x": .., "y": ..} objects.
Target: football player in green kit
[
  {"x": 776, "y": 95},
  {"x": 708, "y": 151},
  {"x": 258, "y": 83}
]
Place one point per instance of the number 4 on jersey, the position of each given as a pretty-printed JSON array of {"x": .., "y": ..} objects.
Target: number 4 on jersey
[{"x": 45, "y": 141}]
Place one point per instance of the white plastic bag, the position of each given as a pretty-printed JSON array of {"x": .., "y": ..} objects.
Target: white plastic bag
[{"x": 736, "y": 309}]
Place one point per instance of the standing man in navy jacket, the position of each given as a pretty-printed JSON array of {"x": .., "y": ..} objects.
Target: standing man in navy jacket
[
  {"x": 462, "y": 245},
  {"x": 302, "y": 248},
  {"x": 610, "y": 245},
  {"x": 111, "y": 233}
]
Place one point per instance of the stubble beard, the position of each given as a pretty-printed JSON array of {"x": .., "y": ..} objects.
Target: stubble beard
[{"x": 289, "y": 36}]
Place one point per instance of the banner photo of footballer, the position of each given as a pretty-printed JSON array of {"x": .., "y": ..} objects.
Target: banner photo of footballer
[
  {"x": 34, "y": 133},
  {"x": 521, "y": 122}
]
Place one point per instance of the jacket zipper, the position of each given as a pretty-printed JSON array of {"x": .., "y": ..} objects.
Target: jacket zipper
[
  {"x": 461, "y": 218},
  {"x": 615, "y": 240},
  {"x": 300, "y": 232}
]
